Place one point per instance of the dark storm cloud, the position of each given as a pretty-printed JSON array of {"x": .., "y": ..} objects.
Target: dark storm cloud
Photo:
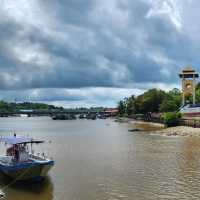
[
  {"x": 92, "y": 43},
  {"x": 74, "y": 12},
  {"x": 80, "y": 66}
]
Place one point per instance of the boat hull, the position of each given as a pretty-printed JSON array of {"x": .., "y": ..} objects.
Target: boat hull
[
  {"x": 192, "y": 114},
  {"x": 190, "y": 110},
  {"x": 27, "y": 171}
]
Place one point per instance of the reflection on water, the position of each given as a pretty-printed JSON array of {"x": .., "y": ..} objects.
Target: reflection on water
[
  {"x": 102, "y": 160},
  {"x": 189, "y": 174},
  {"x": 23, "y": 190}
]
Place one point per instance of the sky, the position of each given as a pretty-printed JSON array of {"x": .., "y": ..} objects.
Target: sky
[{"x": 75, "y": 53}]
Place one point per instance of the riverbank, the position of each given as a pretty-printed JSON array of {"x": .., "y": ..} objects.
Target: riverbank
[
  {"x": 183, "y": 131},
  {"x": 137, "y": 123},
  {"x": 143, "y": 125},
  {"x": 159, "y": 129}
]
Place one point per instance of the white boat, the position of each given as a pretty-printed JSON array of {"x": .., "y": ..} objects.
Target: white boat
[
  {"x": 20, "y": 163},
  {"x": 190, "y": 110}
]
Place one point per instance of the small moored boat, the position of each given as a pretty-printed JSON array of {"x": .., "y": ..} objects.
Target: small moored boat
[{"x": 20, "y": 163}]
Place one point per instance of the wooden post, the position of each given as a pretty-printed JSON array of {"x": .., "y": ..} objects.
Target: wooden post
[
  {"x": 183, "y": 92},
  {"x": 194, "y": 92}
]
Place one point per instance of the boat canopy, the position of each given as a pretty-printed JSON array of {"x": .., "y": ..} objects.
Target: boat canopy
[{"x": 19, "y": 140}]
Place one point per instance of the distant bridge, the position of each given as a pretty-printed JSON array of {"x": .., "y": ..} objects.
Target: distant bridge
[{"x": 47, "y": 113}]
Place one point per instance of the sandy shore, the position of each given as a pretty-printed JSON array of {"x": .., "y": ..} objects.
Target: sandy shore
[
  {"x": 183, "y": 131},
  {"x": 179, "y": 131},
  {"x": 156, "y": 128}
]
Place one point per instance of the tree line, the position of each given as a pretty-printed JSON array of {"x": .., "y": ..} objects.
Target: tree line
[
  {"x": 14, "y": 107},
  {"x": 154, "y": 101}
]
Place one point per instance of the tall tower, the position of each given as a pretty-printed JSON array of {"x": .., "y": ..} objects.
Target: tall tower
[{"x": 188, "y": 77}]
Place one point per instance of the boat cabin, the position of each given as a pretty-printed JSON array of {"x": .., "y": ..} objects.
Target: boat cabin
[{"x": 19, "y": 150}]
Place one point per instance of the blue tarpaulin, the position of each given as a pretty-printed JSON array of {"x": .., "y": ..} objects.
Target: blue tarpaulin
[{"x": 18, "y": 140}]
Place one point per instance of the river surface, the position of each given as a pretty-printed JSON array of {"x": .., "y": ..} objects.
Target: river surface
[{"x": 101, "y": 160}]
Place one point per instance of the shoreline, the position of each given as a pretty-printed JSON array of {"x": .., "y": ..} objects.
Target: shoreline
[
  {"x": 138, "y": 122},
  {"x": 160, "y": 129},
  {"x": 176, "y": 131},
  {"x": 183, "y": 131}
]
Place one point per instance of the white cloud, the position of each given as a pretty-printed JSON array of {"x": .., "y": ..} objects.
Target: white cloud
[
  {"x": 169, "y": 8},
  {"x": 32, "y": 54},
  {"x": 26, "y": 12}
]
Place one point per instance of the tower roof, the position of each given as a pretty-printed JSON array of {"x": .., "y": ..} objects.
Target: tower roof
[
  {"x": 188, "y": 69},
  {"x": 188, "y": 72}
]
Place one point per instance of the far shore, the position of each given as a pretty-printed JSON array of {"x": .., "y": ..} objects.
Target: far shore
[{"x": 159, "y": 129}]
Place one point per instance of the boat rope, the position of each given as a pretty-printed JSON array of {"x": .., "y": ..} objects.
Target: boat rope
[{"x": 2, "y": 195}]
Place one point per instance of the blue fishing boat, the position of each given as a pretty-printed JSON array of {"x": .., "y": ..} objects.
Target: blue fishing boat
[{"x": 20, "y": 162}]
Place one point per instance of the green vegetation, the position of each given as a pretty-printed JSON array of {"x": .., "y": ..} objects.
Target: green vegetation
[
  {"x": 157, "y": 104},
  {"x": 15, "y": 107},
  {"x": 152, "y": 101},
  {"x": 171, "y": 118}
]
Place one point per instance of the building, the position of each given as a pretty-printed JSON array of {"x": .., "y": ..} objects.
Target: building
[{"x": 188, "y": 77}]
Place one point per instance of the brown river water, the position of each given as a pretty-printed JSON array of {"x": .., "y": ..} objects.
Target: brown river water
[{"x": 101, "y": 160}]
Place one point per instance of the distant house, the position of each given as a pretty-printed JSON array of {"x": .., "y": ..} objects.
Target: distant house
[{"x": 111, "y": 111}]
